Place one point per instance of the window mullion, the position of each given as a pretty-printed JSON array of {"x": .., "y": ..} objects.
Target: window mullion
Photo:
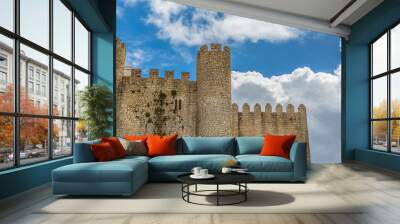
[
  {"x": 389, "y": 104},
  {"x": 50, "y": 81},
  {"x": 16, "y": 85},
  {"x": 73, "y": 82}
]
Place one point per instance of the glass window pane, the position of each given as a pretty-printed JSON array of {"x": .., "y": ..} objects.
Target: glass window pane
[
  {"x": 34, "y": 72},
  {"x": 81, "y": 45},
  {"x": 379, "y": 97},
  {"x": 62, "y": 89},
  {"x": 81, "y": 82},
  {"x": 395, "y": 47},
  {"x": 35, "y": 21},
  {"x": 6, "y": 142},
  {"x": 395, "y": 94},
  {"x": 379, "y": 135},
  {"x": 62, "y": 138},
  {"x": 33, "y": 140},
  {"x": 62, "y": 29},
  {"x": 395, "y": 136},
  {"x": 6, "y": 74},
  {"x": 81, "y": 131},
  {"x": 7, "y": 14},
  {"x": 379, "y": 56}
]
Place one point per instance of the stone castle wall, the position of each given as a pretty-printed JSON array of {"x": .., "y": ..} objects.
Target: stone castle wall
[
  {"x": 164, "y": 105},
  {"x": 156, "y": 105}
]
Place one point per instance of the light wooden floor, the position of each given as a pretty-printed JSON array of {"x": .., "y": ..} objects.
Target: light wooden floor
[{"x": 378, "y": 188}]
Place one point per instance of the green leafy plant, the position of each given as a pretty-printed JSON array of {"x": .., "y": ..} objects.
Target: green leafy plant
[{"x": 97, "y": 102}]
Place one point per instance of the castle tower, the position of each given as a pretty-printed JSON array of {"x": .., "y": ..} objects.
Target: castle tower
[
  {"x": 213, "y": 91},
  {"x": 120, "y": 59}
]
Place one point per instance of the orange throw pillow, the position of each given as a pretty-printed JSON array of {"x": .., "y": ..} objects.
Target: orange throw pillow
[
  {"x": 103, "y": 152},
  {"x": 277, "y": 145},
  {"x": 136, "y": 138},
  {"x": 161, "y": 145},
  {"x": 116, "y": 145}
]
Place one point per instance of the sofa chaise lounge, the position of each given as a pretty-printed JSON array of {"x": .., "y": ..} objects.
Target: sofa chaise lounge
[{"x": 125, "y": 176}]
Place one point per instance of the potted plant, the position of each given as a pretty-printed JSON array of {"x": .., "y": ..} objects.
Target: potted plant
[{"x": 96, "y": 102}]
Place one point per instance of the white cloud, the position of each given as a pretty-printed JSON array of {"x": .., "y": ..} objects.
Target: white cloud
[
  {"x": 130, "y": 3},
  {"x": 120, "y": 11},
  {"x": 319, "y": 91},
  {"x": 180, "y": 24},
  {"x": 137, "y": 57}
]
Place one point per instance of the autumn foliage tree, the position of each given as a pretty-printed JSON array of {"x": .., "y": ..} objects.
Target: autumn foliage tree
[
  {"x": 380, "y": 127},
  {"x": 33, "y": 131}
]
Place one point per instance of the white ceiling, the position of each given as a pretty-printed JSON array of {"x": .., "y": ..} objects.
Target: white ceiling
[{"x": 318, "y": 15}]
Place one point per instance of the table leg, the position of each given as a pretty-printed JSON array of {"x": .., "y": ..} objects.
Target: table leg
[
  {"x": 217, "y": 194},
  {"x": 195, "y": 188},
  {"x": 245, "y": 193},
  {"x": 188, "y": 189}
]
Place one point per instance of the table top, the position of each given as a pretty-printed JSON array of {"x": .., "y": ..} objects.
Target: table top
[{"x": 220, "y": 178}]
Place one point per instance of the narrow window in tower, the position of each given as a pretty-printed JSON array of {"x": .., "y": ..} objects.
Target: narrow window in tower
[
  {"x": 176, "y": 105},
  {"x": 180, "y": 104}
]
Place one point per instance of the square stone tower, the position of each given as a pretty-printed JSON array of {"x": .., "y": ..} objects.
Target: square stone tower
[{"x": 213, "y": 91}]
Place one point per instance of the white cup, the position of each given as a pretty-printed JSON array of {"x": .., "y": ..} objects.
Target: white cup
[
  {"x": 196, "y": 171},
  {"x": 226, "y": 170},
  {"x": 203, "y": 172}
]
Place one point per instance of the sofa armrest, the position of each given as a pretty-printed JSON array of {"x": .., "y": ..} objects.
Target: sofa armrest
[
  {"x": 83, "y": 152},
  {"x": 298, "y": 155}
]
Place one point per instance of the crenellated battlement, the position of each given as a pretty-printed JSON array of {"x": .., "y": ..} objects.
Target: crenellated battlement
[
  {"x": 214, "y": 47},
  {"x": 268, "y": 108},
  {"x": 153, "y": 74}
]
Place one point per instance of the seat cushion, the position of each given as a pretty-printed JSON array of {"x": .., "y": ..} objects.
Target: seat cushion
[
  {"x": 257, "y": 163},
  {"x": 185, "y": 163},
  {"x": 249, "y": 145},
  {"x": 111, "y": 171},
  {"x": 206, "y": 145}
]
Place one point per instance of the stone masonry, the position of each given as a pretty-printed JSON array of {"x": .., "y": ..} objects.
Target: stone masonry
[{"x": 164, "y": 105}]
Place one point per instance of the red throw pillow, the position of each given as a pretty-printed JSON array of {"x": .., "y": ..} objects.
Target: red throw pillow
[
  {"x": 161, "y": 145},
  {"x": 116, "y": 145},
  {"x": 103, "y": 152},
  {"x": 277, "y": 145}
]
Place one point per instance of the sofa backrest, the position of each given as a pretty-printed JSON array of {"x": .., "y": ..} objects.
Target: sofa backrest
[
  {"x": 249, "y": 145},
  {"x": 206, "y": 145},
  {"x": 83, "y": 152}
]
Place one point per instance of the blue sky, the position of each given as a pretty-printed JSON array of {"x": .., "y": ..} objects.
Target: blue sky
[
  {"x": 315, "y": 50},
  {"x": 271, "y": 63}
]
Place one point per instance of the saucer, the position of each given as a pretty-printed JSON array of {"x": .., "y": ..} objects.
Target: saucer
[{"x": 208, "y": 176}]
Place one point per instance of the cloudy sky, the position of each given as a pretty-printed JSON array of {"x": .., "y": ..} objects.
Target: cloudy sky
[{"x": 270, "y": 63}]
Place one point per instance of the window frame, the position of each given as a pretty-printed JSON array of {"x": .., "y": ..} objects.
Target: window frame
[
  {"x": 16, "y": 114},
  {"x": 388, "y": 74}
]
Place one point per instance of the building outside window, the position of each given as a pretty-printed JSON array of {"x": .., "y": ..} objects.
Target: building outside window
[
  {"x": 3, "y": 72},
  {"x": 30, "y": 72},
  {"x": 30, "y": 87},
  {"x": 43, "y": 90},
  {"x": 38, "y": 89},
  {"x": 37, "y": 75},
  {"x": 44, "y": 78},
  {"x": 3, "y": 78}
]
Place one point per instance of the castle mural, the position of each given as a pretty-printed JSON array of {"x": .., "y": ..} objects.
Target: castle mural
[{"x": 164, "y": 105}]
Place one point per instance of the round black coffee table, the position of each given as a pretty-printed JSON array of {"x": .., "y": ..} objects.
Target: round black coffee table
[{"x": 238, "y": 179}]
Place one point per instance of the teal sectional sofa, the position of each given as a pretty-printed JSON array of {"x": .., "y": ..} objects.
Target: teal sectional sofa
[{"x": 125, "y": 176}]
